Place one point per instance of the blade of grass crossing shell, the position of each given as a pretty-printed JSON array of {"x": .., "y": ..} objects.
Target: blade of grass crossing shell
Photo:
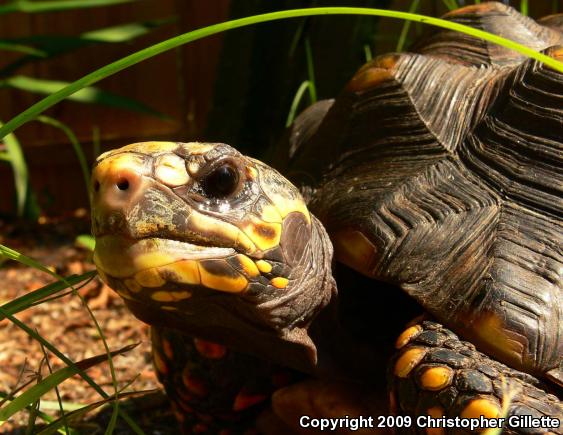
[
  {"x": 177, "y": 41},
  {"x": 406, "y": 26},
  {"x": 75, "y": 145},
  {"x": 295, "y": 103},
  {"x": 14, "y": 255}
]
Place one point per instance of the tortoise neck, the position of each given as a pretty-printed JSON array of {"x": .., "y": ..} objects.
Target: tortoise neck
[{"x": 335, "y": 352}]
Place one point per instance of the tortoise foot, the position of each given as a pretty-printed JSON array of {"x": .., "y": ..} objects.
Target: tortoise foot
[{"x": 436, "y": 378}]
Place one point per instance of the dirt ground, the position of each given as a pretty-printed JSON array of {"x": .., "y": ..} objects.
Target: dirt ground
[{"x": 67, "y": 325}]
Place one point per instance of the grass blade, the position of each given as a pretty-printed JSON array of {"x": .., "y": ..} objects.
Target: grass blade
[
  {"x": 295, "y": 103},
  {"x": 31, "y": 298},
  {"x": 55, "y": 425},
  {"x": 21, "y": 48},
  {"x": 310, "y": 71},
  {"x": 34, "y": 393},
  {"x": 88, "y": 95},
  {"x": 14, "y": 154},
  {"x": 194, "y": 35},
  {"x": 406, "y": 26},
  {"x": 524, "y": 7},
  {"x": 32, "y": 7},
  {"x": 123, "y": 32}
]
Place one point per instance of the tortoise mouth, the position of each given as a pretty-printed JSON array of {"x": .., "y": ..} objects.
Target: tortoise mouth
[{"x": 123, "y": 257}]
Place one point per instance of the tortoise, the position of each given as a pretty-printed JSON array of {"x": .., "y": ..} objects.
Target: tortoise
[{"x": 436, "y": 172}]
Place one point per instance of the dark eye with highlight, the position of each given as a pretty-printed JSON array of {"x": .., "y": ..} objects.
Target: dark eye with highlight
[{"x": 221, "y": 182}]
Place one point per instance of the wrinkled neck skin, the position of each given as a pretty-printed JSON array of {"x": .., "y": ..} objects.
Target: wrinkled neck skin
[{"x": 333, "y": 351}]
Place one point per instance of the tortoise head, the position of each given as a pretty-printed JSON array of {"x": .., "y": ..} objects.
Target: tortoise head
[{"x": 200, "y": 238}]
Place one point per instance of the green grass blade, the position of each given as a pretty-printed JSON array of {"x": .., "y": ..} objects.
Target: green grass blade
[
  {"x": 84, "y": 409},
  {"x": 14, "y": 153},
  {"x": 86, "y": 241},
  {"x": 21, "y": 48},
  {"x": 450, "y": 4},
  {"x": 89, "y": 95},
  {"x": 123, "y": 32},
  {"x": 367, "y": 52},
  {"x": 54, "y": 45},
  {"x": 310, "y": 71},
  {"x": 14, "y": 255},
  {"x": 31, "y": 298},
  {"x": 32, "y": 7},
  {"x": 406, "y": 26},
  {"x": 34, "y": 393},
  {"x": 177, "y": 41},
  {"x": 524, "y": 7},
  {"x": 295, "y": 103},
  {"x": 75, "y": 145}
]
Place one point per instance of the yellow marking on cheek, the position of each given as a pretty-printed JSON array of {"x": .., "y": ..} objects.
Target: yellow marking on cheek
[
  {"x": 264, "y": 235},
  {"x": 171, "y": 170},
  {"x": 436, "y": 378},
  {"x": 132, "y": 285},
  {"x": 279, "y": 282},
  {"x": 149, "y": 278},
  {"x": 435, "y": 412},
  {"x": 407, "y": 335},
  {"x": 407, "y": 361},
  {"x": 270, "y": 214},
  {"x": 286, "y": 206},
  {"x": 264, "y": 266},
  {"x": 248, "y": 266},
  {"x": 168, "y": 308},
  {"x": 152, "y": 259},
  {"x": 162, "y": 296},
  {"x": 354, "y": 249},
  {"x": 203, "y": 224},
  {"x": 184, "y": 271},
  {"x": 485, "y": 407},
  {"x": 224, "y": 283}
]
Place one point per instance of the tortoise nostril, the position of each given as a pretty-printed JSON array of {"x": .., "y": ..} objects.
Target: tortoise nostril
[{"x": 123, "y": 184}]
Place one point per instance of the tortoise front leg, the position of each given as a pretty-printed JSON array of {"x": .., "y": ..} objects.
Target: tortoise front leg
[
  {"x": 213, "y": 389},
  {"x": 436, "y": 374}
]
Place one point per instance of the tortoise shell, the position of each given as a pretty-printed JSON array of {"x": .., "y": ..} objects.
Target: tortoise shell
[{"x": 440, "y": 171}]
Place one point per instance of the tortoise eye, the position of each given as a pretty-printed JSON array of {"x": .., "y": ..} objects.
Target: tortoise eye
[{"x": 221, "y": 182}]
